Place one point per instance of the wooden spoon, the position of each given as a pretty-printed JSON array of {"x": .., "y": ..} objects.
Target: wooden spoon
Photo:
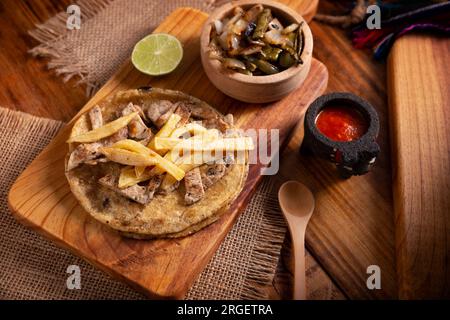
[{"x": 297, "y": 204}]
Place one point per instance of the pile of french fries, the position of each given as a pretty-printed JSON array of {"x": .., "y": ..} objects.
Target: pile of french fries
[{"x": 168, "y": 152}]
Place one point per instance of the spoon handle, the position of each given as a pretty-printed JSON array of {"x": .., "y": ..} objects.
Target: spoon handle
[{"x": 299, "y": 265}]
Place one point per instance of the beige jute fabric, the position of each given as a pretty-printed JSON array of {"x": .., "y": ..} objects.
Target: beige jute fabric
[
  {"x": 108, "y": 31},
  {"x": 34, "y": 268}
]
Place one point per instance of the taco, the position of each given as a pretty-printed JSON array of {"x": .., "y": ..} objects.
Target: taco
[{"x": 154, "y": 163}]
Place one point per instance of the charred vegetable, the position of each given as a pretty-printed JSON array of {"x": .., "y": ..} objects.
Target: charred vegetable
[
  {"x": 271, "y": 53},
  {"x": 254, "y": 42},
  {"x": 262, "y": 24},
  {"x": 287, "y": 60}
]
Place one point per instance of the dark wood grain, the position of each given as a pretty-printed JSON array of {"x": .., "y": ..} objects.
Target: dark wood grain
[
  {"x": 369, "y": 211},
  {"x": 353, "y": 224},
  {"x": 25, "y": 83},
  {"x": 419, "y": 100},
  {"x": 28, "y": 86}
]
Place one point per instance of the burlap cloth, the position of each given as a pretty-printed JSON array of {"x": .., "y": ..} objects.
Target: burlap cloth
[
  {"x": 33, "y": 268},
  {"x": 109, "y": 29}
]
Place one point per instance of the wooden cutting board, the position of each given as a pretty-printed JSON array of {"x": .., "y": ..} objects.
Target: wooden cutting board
[
  {"x": 41, "y": 198},
  {"x": 419, "y": 101}
]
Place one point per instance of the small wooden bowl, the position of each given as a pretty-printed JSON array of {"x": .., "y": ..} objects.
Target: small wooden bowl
[{"x": 256, "y": 89}]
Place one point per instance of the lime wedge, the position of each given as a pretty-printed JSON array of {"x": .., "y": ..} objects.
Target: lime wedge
[{"x": 157, "y": 54}]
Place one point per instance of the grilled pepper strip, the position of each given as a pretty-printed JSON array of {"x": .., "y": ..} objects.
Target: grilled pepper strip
[
  {"x": 271, "y": 53},
  {"x": 262, "y": 24},
  {"x": 266, "y": 67},
  {"x": 286, "y": 60},
  {"x": 300, "y": 40}
]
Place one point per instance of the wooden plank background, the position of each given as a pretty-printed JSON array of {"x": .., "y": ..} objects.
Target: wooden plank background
[
  {"x": 350, "y": 70},
  {"x": 419, "y": 101}
]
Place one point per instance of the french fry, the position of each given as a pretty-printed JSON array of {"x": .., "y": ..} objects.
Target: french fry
[
  {"x": 139, "y": 171},
  {"x": 162, "y": 163},
  {"x": 193, "y": 128},
  {"x": 128, "y": 177},
  {"x": 204, "y": 137},
  {"x": 104, "y": 131},
  {"x": 127, "y": 157},
  {"x": 219, "y": 145},
  {"x": 229, "y": 144},
  {"x": 133, "y": 146},
  {"x": 189, "y": 162},
  {"x": 208, "y": 135},
  {"x": 204, "y": 151},
  {"x": 170, "y": 156},
  {"x": 166, "y": 130},
  {"x": 166, "y": 143}
]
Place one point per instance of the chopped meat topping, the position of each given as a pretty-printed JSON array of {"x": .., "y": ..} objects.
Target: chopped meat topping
[
  {"x": 216, "y": 123},
  {"x": 164, "y": 117},
  {"x": 210, "y": 119},
  {"x": 137, "y": 128},
  {"x": 95, "y": 115},
  {"x": 229, "y": 119},
  {"x": 83, "y": 153},
  {"x": 200, "y": 112},
  {"x": 89, "y": 152},
  {"x": 136, "y": 193},
  {"x": 159, "y": 111},
  {"x": 146, "y": 137},
  {"x": 212, "y": 173},
  {"x": 96, "y": 161},
  {"x": 184, "y": 112},
  {"x": 194, "y": 186},
  {"x": 169, "y": 189},
  {"x": 154, "y": 184},
  {"x": 122, "y": 134},
  {"x": 196, "y": 181}
]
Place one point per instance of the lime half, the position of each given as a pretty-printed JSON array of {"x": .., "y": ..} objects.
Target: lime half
[{"x": 157, "y": 54}]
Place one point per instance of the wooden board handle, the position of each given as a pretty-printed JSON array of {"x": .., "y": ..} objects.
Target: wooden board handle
[{"x": 419, "y": 101}]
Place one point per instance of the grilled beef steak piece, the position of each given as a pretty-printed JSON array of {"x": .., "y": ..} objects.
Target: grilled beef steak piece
[
  {"x": 184, "y": 112},
  {"x": 136, "y": 128},
  {"x": 136, "y": 193},
  {"x": 88, "y": 152},
  {"x": 212, "y": 173},
  {"x": 194, "y": 186},
  {"x": 95, "y": 115},
  {"x": 159, "y": 112}
]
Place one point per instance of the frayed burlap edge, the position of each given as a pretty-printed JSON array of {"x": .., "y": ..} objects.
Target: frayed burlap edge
[
  {"x": 268, "y": 245},
  {"x": 271, "y": 236},
  {"x": 24, "y": 121},
  {"x": 268, "y": 240},
  {"x": 62, "y": 59}
]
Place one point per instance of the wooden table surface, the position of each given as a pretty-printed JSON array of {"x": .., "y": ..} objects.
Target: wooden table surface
[{"x": 28, "y": 86}]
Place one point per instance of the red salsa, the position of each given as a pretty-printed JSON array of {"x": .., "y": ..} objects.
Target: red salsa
[{"x": 340, "y": 123}]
